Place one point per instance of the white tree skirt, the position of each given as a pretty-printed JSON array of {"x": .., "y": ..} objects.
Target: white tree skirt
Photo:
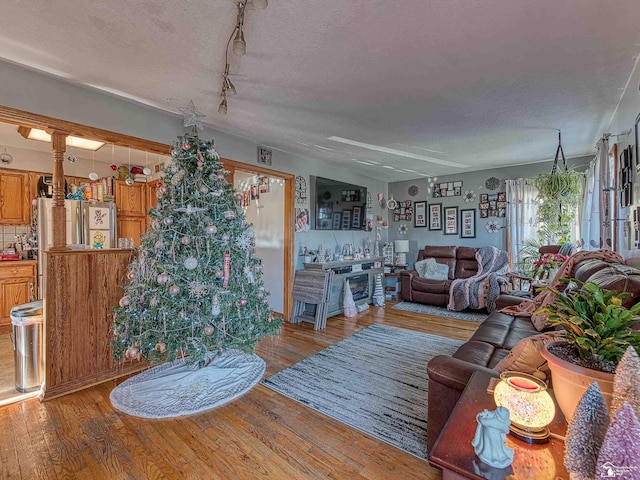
[{"x": 175, "y": 388}]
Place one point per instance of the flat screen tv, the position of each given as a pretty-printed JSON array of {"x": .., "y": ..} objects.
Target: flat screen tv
[{"x": 339, "y": 205}]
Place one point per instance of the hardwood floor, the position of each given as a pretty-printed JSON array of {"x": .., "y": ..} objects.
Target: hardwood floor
[{"x": 260, "y": 435}]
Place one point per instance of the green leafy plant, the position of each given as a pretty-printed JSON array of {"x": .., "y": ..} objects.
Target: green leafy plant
[
  {"x": 559, "y": 194},
  {"x": 595, "y": 321}
]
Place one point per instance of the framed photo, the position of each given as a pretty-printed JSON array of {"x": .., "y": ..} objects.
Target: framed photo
[
  {"x": 346, "y": 219},
  {"x": 421, "y": 214},
  {"x": 336, "y": 220},
  {"x": 355, "y": 217},
  {"x": 451, "y": 221},
  {"x": 637, "y": 147},
  {"x": 264, "y": 156},
  {"x": 435, "y": 216},
  {"x": 264, "y": 184},
  {"x": 255, "y": 192},
  {"x": 484, "y": 213},
  {"x": 484, "y": 198},
  {"x": 468, "y": 223}
]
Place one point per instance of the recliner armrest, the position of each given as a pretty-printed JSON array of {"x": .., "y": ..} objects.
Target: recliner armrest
[
  {"x": 453, "y": 372},
  {"x": 506, "y": 300}
]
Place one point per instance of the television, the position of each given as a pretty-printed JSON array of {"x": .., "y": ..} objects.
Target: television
[{"x": 339, "y": 205}]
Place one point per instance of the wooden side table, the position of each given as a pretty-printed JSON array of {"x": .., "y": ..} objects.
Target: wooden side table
[
  {"x": 392, "y": 287},
  {"x": 454, "y": 454}
]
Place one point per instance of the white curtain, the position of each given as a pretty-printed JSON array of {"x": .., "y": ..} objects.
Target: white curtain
[
  {"x": 522, "y": 200},
  {"x": 595, "y": 216}
]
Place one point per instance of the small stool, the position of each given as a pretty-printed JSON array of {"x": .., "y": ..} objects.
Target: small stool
[{"x": 311, "y": 287}]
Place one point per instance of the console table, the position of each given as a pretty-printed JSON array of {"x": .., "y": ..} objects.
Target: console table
[
  {"x": 454, "y": 454},
  {"x": 361, "y": 276}
]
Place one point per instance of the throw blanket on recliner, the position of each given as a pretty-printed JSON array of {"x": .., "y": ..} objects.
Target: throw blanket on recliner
[{"x": 479, "y": 291}]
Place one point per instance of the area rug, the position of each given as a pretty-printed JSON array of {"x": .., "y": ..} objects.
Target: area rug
[
  {"x": 441, "y": 311},
  {"x": 176, "y": 388},
  {"x": 375, "y": 381}
]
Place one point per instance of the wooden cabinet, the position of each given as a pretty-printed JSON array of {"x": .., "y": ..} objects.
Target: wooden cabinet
[
  {"x": 130, "y": 199},
  {"x": 15, "y": 197},
  {"x": 132, "y": 227},
  {"x": 17, "y": 286}
]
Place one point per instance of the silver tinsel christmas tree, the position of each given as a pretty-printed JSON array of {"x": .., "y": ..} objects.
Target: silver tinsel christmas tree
[
  {"x": 585, "y": 434},
  {"x": 196, "y": 286},
  {"x": 621, "y": 447},
  {"x": 626, "y": 383}
]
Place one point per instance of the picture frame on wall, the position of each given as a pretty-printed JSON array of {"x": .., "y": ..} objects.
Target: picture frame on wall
[
  {"x": 468, "y": 223},
  {"x": 346, "y": 219},
  {"x": 356, "y": 214},
  {"x": 435, "y": 216},
  {"x": 336, "y": 220},
  {"x": 264, "y": 155},
  {"x": 420, "y": 214},
  {"x": 451, "y": 221}
]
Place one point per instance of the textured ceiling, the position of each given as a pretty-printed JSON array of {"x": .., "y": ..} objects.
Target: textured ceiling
[{"x": 419, "y": 87}]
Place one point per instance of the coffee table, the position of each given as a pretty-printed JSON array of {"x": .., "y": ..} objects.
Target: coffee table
[{"x": 454, "y": 454}]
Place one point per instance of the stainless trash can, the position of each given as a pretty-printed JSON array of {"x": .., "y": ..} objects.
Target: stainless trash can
[{"x": 27, "y": 331}]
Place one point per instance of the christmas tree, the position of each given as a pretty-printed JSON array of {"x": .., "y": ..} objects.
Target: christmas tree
[
  {"x": 585, "y": 434},
  {"x": 620, "y": 447},
  {"x": 626, "y": 383},
  {"x": 196, "y": 287}
]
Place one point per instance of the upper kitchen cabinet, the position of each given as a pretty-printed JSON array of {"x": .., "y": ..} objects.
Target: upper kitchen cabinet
[
  {"x": 15, "y": 199},
  {"x": 130, "y": 199}
]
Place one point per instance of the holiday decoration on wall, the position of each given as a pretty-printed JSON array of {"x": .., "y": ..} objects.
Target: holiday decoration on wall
[
  {"x": 188, "y": 287},
  {"x": 402, "y": 229},
  {"x": 492, "y": 183},
  {"x": 469, "y": 196},
  {"x": 585, "y": 433},
  {"x": 492, "y": 226}
]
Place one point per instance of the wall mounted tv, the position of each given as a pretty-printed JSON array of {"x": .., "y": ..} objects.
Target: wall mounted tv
[{"x": 339, "y": 205}]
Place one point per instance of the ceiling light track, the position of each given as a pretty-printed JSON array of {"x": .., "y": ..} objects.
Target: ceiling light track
[{"x": 239, "y": 48}]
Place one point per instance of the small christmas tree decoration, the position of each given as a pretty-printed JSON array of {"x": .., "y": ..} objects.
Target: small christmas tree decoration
[
  {"x": 620, "y": 450},
  {"x": 585, "y": 434},
  {"x": 378, "y": 292},
  {"x": 626, "y": 383},
  {"x": 348, "y": 304}
]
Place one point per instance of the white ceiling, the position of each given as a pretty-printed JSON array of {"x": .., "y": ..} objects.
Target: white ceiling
[{"x": 432, "y": 87}]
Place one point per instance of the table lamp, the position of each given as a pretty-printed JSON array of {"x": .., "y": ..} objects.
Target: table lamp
[
  {"x": 401, "y": 248},
  {"x": 530, "y": 406}
]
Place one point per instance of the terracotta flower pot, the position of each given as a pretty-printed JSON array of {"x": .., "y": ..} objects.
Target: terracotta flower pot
[{"x": 570, "y": 381}]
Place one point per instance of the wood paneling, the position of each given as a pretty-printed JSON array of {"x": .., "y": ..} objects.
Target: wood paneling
[
  {"x": 15, "y": 200},
  {"x": 86, "y": 286},
  {"x": 262, "y": 434}
]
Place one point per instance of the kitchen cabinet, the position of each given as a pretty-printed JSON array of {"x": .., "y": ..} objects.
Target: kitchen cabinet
[
  {"x": 130, "y": 199},
  {"x": 15, "y": 197},
  {"x": 152, "y": 198},
  {"x": 132, "y": 227},
  {"x": 17, "y": 286}
]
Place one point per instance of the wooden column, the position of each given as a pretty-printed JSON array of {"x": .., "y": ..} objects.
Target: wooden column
[{"x": 58, "y": 211}]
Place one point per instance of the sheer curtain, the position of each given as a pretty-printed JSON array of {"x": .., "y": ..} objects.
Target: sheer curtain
[
  {"x": 595, "y": 216},
  {"x": 522, "y": 197}
]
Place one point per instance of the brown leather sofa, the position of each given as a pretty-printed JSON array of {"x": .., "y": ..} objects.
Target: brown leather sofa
[
  {"x": 462, "y": 264},
  {"x": 498, "y": 334}
]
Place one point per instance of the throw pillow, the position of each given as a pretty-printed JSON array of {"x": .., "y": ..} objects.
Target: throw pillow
[
  {"x": 525, "y": 357},
  {"x": 421, "y": 266},
  {"x": 436, "y": 271}
]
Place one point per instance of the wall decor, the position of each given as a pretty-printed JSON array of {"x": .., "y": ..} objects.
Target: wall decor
[
  {"x": 447, "y": 189},
  {"x": 301, "y": 190},
  {"x": 368, "y": 199},
  {"x": 637, "y": 148},
  {"x": 469, "y": 196},
  {"x": 413, "y": 190},
  {"x": 435, "y": 216},
  {"x": 420, "y": 214},
  {"x": 355, "y": 217},
  {"x": 263, "y": 183},
  {"x": 468, "y": 223},
  {"x": 346, "y": 219},
  {"x": 492, "y": 226},
  {"x": 625, "y": 176},
  {"x": 392, "y": 203},
  {"x": 451, "y": 220},
  {"x": 350, "y": 195},
  {"x": 264, "y": 156},
  {"x": 493, "y": 205},
  {"x": 492, "y": 183},
  {"x": 403, "y": 211},
  {"x": 337, "y": 220},
  {"x": 402, "y": 229}
]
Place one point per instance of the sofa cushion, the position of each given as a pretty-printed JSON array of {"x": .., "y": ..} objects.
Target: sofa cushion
[
  {"x": 445, "y": 255},
  {"x": 620, "y": 280},
  {"x": 477, "y": 353},
  {"x": 466, "y": 262},
  {"x": 525, "y": 357},
  {"x": 429, "y": 269},
  {"x": 430, "y": 286}
]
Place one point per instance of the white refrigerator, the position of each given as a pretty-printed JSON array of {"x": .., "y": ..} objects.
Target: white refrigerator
[{"x": 89, "y": 225}]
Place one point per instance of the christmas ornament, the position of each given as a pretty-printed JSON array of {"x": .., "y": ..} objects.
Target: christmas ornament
[
  {"x": 219, "y": 274},
  {"x": 198, "y": 289},
  {"x": 174, "y": 290},
  {"x": 189, "y": 209},
  {"x": 186, "y": 146},
  {"x": 163, "y": 278},
  {"x": 153, "y": 302},
  {"x": 220, "y": 176},
  {"x": 132, "y": 353},
  {"x": 161, "y": 347},
  {"x": 225, "y": 237},
  {"x": 192, "y": 118},
  {"x": 125, "y": 301},
  {"x": 243, "y": 301},
  {"x": 226, "y": 270},
  {"x": 215, "y": 306},
  {"x": 204, "y": 190},
  {"x": 164, "y": 189},
  {"x": 130, "y": 275},
  {"x": 167, "y": 220},
  {"x": 217, "y": 193},
  {"x": 190, "y": 263},
  {"x": 185, "y": 240},
  {"x": 229, "y": 214},
  {"x": 211, "y": 230},
  {"x": 208, "y": 330},
  {"x": 244, "y": 241}
]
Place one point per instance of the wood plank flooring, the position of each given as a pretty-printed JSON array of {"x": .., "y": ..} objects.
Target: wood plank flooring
[{"x": 260, "y": 435}]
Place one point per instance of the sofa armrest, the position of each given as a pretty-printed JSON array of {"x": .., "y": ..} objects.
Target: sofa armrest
[
  {"x": 453, "y": 372},
  {"x": 506, "y": 300},
  {"x": 405, "y": 284}
]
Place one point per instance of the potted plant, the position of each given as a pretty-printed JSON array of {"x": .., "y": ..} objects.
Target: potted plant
[
  {"x": 559, "y": 194},
  {"x": 597, "y": 331},
  {"x": 548, "y": 264}
]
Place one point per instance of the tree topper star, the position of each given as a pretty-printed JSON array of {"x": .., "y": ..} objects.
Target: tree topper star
[{"x": 191, "y": 116}]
